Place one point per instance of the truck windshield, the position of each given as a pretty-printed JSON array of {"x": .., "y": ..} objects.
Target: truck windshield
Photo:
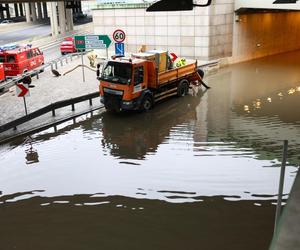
[{"x": 117, "y": 72}]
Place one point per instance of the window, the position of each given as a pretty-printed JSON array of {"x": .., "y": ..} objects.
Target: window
[
  {"x": 11, "y": 59},
  {"x": 34, "y": 52},
  {"x": 117, "y": 72},
  {"x": 2, "y": 59},
  {"x": 138, "y": 75},
  {"x": 29, "y": 54}
]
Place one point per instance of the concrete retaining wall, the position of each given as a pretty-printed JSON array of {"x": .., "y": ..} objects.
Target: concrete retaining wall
[{"x": 204, "y": 33}]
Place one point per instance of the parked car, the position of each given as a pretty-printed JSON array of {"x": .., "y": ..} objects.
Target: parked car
[
  {"x": 4, "y": 22},
  {"x": 18, "y": 59},
  {"x": 67, "y": 46}
]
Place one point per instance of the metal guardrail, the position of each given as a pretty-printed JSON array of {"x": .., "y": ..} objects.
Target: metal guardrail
[
  {"x": 36, "y": 72},
  {"x": 50, "y": 108}
]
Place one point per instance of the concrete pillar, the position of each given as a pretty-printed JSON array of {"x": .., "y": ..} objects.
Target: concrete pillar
[
  {"x": 51, "y": 7},
  {"x": 62, "y": 17},
  {"x": 1, "y": 12},
  {"x": 27, "y": 12},
  {"x": 33, "y": 12},
  {"x": 77, "y": 6},
  {"x": 45, "y": 10},
  {"x": 39, "y": 8},
  {"x": 16, "y": 9},
  {"x": 7, "y": 11},
  {"x": 21, "y": 9},
  {"x": 69, "y": 14},
  {"x": 80, "y": 7}
]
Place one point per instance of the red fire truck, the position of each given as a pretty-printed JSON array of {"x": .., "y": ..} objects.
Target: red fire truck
[
  {"x": 18, "y": 59},
  {"x": 2, "y": 75},
  {"x": 67, "y": 46}
]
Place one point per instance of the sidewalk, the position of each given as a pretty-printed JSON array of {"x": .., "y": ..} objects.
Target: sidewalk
[{"x": 48, "y": 89}]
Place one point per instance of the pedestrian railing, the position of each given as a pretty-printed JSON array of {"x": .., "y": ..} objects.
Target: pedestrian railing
[
  {"x": 50, "y": 108},
  {"x": 54, "y": 64}
]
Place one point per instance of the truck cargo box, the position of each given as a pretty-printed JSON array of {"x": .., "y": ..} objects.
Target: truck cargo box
[{"x": 160, "y": 57}]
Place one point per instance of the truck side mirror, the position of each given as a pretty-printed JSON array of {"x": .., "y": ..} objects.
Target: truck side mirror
[{"x": 98, "y": 70}]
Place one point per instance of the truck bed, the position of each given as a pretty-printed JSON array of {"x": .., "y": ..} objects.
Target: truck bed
[{"x": 187, "y": 71}]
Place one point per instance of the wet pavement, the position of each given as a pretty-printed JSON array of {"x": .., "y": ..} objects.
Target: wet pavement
[
  {"x": 198, "y": 172},
  {"x": 48, "y": 89}
]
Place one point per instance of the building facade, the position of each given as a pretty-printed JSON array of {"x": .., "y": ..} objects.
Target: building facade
[{"x": 226, "y": 29}]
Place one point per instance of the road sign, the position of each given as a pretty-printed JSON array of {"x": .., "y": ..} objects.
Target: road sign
[
  {"x": 119, "y": 49},
  {"x": 92, "y": 42},
  {"x": 22, "y": 90},
  {"x": 119, "y": 36}
]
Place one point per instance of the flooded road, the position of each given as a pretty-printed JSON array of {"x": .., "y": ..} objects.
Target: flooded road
[{"x": 199, "y": 172}]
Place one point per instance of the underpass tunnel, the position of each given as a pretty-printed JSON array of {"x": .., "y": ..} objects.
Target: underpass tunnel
[{"x": 258, "y": 33}]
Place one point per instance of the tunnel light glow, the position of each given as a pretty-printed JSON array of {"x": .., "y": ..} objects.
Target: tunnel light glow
[
  {"x": 298, "y": 89},
  {"x": 269, "y": 99},
  {"x": 280, "y": 94},
  {"x": 291, "y": 91},
  {"x": 246, "y": 108}
]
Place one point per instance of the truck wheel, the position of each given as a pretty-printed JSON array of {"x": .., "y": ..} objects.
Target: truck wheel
[
  {"x": 147, "y": 103},
  {"x": 183, "y": 88}
]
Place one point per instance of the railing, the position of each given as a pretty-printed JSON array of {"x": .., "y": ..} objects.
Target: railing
[
  {"x": 50, "y": 108},
  {"x": 36, "y": 72}
]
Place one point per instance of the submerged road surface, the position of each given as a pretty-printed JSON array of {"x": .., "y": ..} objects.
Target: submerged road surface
[{"x": 198, "y": 172}]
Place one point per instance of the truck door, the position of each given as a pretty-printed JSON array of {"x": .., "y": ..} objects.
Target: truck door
[
  {"x": 139, "y": 79},
  {"x": 27, "y": 65},
  {"x": 37, "y": 57},
  {"x": 34, "y": 60}
]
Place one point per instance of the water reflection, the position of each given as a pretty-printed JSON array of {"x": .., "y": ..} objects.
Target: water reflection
[
  {"x": 132, "y": 136},
  {"x": 32, "y": 155}
]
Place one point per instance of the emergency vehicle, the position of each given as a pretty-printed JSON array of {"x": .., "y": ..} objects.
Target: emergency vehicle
[
  {"x": 67, "y": 46},
  {"x": 18, "y": 59},
  {"x": 2, "y": 75},
  {"x": 138, "y": 82}
]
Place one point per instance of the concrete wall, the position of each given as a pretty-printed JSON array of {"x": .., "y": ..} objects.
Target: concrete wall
[
  {"x": 204, "y": 33},
  {"x": 263, "y": 34}
]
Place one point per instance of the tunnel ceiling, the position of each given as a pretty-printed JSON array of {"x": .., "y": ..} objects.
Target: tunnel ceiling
[{"x": 241, "y": 11}]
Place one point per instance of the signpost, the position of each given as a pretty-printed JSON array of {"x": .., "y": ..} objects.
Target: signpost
[
  {"x": 119, "y": 49},
  {"x": 91, "y": 42},
  {"x": 119, "y": 37},
  {"x": 23, "y": 91}
]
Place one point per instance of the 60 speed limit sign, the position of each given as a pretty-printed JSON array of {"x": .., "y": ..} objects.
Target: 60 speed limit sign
[{"x": 119, "y": 36}]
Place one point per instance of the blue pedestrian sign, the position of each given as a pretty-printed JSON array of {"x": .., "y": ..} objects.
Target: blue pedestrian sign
[{"x": 119, "y": 49}]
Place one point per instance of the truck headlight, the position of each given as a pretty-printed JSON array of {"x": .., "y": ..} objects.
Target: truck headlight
[{"x": 127, "y": 103}]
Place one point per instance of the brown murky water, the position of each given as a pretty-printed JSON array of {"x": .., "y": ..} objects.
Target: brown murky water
[{"x": 199, "y": 172}]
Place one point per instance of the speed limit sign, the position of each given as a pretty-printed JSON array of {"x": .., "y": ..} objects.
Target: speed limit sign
[{"x": 119, "y": 36}]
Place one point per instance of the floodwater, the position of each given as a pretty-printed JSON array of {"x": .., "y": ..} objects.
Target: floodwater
[{"x": 198, "y": 172}]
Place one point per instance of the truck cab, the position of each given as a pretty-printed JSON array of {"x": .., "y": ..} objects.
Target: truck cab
[
  {"x": 18, "y": 59},
  {"x": 124, "y": 82}
]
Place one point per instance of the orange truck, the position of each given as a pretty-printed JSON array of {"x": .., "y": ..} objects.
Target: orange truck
[{"x": 137, "y": 83}]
